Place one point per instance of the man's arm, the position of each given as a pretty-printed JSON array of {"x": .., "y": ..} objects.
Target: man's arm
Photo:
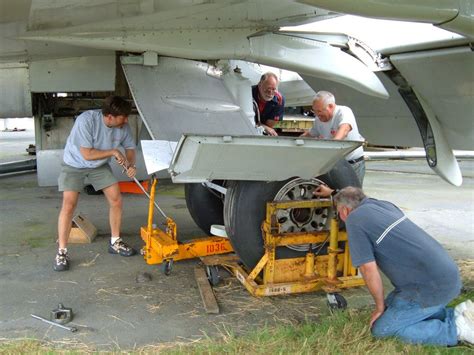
[
  {"x": 130, "y": 154},
  {"x": 132, "y": 169},
  {"x": 96, "y": 154},
  {"x": 269, "y": 130},
  {"x": 306, "y": 134},
  {"x": 342, "y": 132},
  {"x": 372, "y": 278}
]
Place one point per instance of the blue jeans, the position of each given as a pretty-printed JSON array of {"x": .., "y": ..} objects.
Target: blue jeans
[{"x": 414, "y": 324}]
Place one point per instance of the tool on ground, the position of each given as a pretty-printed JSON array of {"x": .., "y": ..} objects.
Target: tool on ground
[
  {"x": 71, "y": 329},
  {"x": 329, "y": 272},
  {"x": 61, "y": 315}
]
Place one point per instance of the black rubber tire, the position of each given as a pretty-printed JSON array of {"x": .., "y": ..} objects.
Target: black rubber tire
[
  {"x": 212, "y": 272},
  {"x": 167, "y": 266},
  {"x": 339, "y": 304},
  {"x": 244, "y": 212},
  {"x": 340, "y": 176},
  {"x": 205, "y": 207}
]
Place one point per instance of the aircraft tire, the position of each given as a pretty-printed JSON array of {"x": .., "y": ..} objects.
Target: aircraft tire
[
  {"x": 204, "y": 205},
  {"x": 244, "y": 211}
]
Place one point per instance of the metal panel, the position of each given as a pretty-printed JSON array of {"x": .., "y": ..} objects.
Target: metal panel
[
  {"x": 48, "y": 166},
  {"x": 444, "y": 79},
  {"x": 78, "y": 74},
  {"x": 201, "y": 158},
  {"x": 178, "y": 96},
  {"x": 15, "y": 95}
]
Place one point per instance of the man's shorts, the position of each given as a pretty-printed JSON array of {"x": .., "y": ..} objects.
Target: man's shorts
[{"x": 73, "y": 179}]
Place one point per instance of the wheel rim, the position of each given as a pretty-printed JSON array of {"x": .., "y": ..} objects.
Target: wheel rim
[{"x": 293, "y": 220}]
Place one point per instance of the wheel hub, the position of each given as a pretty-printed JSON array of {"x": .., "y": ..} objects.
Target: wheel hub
[{"x": 294, "y": 220}]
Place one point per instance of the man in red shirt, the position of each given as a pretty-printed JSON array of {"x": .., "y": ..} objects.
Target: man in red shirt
[{"x": 269, "y": 104}]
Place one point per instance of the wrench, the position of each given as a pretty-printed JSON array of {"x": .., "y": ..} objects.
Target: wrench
[{"x": 71, "y": 329}]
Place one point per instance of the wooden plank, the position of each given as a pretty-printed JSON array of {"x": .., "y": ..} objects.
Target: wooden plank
[
  {"x": 82, "y": 231},
  {"x": 205, "y": 289}
]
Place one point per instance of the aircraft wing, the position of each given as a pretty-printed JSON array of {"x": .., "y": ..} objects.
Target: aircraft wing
[{"x": 48, "y": 47}]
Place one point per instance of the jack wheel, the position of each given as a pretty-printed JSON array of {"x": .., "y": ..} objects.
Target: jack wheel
[
  {"x": 167, "y": 266},
  {"x": 336, "y": 301},
  {"x": 212, "y": 273}
]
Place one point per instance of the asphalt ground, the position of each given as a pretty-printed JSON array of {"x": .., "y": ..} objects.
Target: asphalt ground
[
  {"x": 115, "y": 311},
  {"x": 13, "y": 145}
]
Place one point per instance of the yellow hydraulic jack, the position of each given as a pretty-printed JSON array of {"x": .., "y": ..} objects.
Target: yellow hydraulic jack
[
  {"x": 271, "y": 276},
  {"x": 163, "y": 247}
]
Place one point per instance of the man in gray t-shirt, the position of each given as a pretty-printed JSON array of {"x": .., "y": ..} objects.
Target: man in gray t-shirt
[
  {"x": 425, "y": 277},
  {"x": 337, "y": 122},
  {"x": 95, "y": 138}
]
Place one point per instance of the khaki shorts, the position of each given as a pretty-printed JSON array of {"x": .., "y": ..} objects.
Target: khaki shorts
[{"x": 73, "y": 179}]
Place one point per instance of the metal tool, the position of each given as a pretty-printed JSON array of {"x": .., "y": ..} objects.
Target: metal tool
[
  {"x": 71, "y": 329},
  {"x": 123, "y": 165},
  {"x": 61, "y": 315}
]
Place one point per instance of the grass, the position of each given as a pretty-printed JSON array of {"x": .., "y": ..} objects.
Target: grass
[{"x": 339, "y": 333}]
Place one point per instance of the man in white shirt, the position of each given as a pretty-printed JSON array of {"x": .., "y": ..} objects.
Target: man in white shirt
[{"x": 337, "y": 122}]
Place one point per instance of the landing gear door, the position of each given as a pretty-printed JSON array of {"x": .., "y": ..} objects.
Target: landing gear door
[
  {"x": 175, "y": 96},
  {"x": 200, "y": 158}
]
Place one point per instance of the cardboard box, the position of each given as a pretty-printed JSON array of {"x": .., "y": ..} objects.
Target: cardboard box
[{"x": 82, "y": 231}]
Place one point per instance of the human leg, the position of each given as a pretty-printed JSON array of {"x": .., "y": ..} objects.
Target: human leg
[
  {"x": 117, "y": 246},
  {"x": 414, "y": 324},
  {"x": 70, "y": 182},
  {"x": 114, "y": 198},
  {"x": 70, "y": 199},
  {"x": 103, "y": 179}
]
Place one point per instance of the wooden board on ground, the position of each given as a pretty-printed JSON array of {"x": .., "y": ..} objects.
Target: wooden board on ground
[
  {"x": 82, "y": 231},
  {"x": 207, "y": 294}
]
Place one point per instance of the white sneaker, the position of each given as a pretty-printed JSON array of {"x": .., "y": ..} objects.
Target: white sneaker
[
  {"x": 465, "y": 327},
  {"x": 469, "y": 315},
  {"x": 460, "y": 308}
]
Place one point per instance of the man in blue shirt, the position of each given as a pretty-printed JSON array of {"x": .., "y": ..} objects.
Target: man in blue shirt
[
  {"x": 95, "y": 138},
  {"x": 269, "y": 104},
  {"x": 425, "y": 277}
]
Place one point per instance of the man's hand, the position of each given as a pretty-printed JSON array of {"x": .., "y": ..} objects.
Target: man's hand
[
  {"x": 270, "y": 131},
  {"x": 121, "y": 160},
  {"x": 374, "y": 316},
  {"x": 131, "y": 171},
  {"x": 323, "y": 191}
]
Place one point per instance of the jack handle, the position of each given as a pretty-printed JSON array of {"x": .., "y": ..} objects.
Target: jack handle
[{"x": 125, "y": 166}]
